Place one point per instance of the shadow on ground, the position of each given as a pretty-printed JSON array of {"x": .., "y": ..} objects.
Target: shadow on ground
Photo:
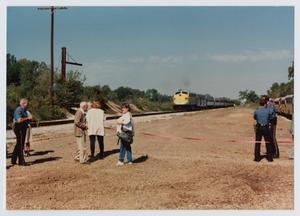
[
  {"x": 37, "y": 161},
  {"x": 106, "y": 154},
  {"x": 111, "y": 152},
  {"x": 43, "y": 160},
  {"x": 38, "y": 153},
  {"x": 141, "y": 159}
]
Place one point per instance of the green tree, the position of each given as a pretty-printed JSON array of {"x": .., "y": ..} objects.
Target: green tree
[
  {"x": 248, "y": 96},
  {"x": 152, "y": 94},
  {"x": 274, "y": 91},
  {"x": 70, "y": 91},
  {"x": 29, "y": 79},
  {"x": 12, "y": 100},
  {"x": 281, "y": 90},
  {"x": 106, "y": 90},
  {"x": 29, "y": 71},
  {"x": 291, "y": 71},
  {"x": 13, "y": 70}
]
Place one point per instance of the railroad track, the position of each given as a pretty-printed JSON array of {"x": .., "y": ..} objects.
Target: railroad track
[
  {"x": 288, "y": 116},
  {"x": 68, "y": 121}
]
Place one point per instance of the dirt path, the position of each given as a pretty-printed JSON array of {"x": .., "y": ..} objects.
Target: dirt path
[{"x": 195, "y": 161}]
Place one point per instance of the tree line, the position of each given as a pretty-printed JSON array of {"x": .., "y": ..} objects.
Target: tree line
[{"x": 30, "y": 79}]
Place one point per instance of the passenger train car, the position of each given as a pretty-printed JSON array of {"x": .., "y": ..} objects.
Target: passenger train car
[
  {"x": 184, "y": 100},
  {"x": 285, "y": 105}
]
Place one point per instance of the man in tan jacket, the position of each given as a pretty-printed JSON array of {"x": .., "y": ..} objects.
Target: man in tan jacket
[{"x": 80, "y": 128}]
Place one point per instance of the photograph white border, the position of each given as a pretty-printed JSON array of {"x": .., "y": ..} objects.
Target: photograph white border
[{"x": 3, "y": 8}]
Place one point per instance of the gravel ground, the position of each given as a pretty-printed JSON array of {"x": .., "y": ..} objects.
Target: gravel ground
[{"x": 201, "y": 160}]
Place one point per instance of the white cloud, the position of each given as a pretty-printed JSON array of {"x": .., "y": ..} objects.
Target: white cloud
[
  {"x": 136, "y": 60},
  {"x": 252, "y": 56},
  {"x": 154, "y": 60},
  {"x": 164, "y": 59},
  {"x": 111, "y": 60},
  {"x": 131, "y": 61}
]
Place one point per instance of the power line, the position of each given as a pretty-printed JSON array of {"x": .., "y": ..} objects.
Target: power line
[{"x": 52, "y": 9}]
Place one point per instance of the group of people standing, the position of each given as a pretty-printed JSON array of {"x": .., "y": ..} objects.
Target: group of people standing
[
  {"x": 89, "y": 121},
  {"x": 266, "y": 121}
]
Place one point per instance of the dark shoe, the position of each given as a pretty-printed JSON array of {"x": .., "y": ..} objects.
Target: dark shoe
[
  {"x": 92, "y": 159},
  {"x": 270, "y": 159},
  {"x": 21, "y": 162},
  {"x": 101, "y": 156},
  {"x": 258, "y": 158}
]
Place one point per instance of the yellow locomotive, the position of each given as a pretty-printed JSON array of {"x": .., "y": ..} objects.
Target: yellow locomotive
[{"x": 185, "y": 100}]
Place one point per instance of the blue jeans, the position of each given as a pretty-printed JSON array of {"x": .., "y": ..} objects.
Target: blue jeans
[{"x": 125, "y": 147}]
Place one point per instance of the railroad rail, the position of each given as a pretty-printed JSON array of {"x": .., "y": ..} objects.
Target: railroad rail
[{"x": 68, "y": 121}]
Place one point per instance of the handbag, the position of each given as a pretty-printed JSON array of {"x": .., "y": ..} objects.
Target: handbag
[{"x": 125, "y": 136}]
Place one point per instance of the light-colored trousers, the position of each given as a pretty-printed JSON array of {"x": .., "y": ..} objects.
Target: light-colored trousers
[
  {"x": 81, "y": 154},
  {"x": 28, "y": 135}
]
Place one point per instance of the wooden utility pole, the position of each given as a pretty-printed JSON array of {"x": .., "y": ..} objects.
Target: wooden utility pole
[
  {"x": 64, "y": 62},
  {"x": 52, "y": 9}
]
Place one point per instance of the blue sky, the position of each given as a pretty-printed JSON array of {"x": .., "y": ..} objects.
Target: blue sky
[{"x": 215, "y": 50}]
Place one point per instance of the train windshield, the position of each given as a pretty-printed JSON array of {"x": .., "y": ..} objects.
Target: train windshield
[{"x": 181, "y": 92}]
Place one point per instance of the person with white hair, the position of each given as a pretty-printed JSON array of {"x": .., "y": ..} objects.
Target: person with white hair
[
  {"x": 21, "y": 120},
  {"x": 89, "y": 105},
  {"x": 80, "y": 129}
]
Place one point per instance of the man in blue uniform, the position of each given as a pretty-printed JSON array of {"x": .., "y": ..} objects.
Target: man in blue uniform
[
  {"x": 262, "y": 116},
  {"x": 21, "y": 120},
  {"x": 273, "y": 122}
]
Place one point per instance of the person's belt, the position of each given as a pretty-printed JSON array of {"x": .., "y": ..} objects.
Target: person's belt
[
  {"x": 262, "y": 125},
  {"x": 23, "y": 124}
]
